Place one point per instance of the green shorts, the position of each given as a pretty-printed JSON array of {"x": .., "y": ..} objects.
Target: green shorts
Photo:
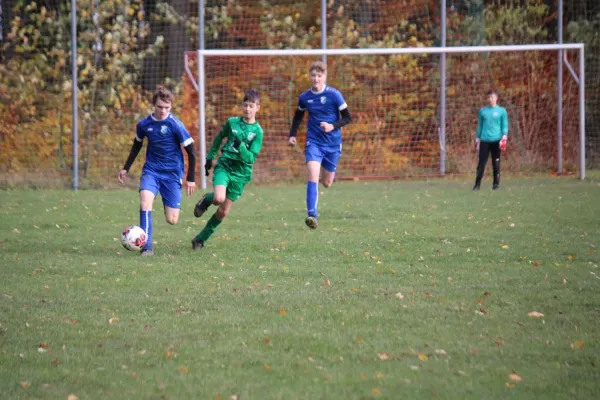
[{"x": 234, "y": 184}]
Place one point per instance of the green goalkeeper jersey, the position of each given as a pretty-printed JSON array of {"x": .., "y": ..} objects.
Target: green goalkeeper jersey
[
  {"x": 492, "y": 123},
  {"x": 238, "y": 161}
]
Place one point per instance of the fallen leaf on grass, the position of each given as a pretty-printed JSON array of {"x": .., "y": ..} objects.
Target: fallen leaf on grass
[
  {"x": 383, "y": 356},
  {"x": 579, "y": 344},
  {"x": 535, "y": 314},
  {"x": 505, "y": 246},
  {"x": 515, "y": 377},
  {"x": 535, "y": 264},
  {"x": 327, "y": 282},
  {"x": 399, "y": 296},
  {"x": 487, "y": 294},
  {"x": 183, "y": 370},
  {"x": 510, "y": 385},
  {"x": 114, "y": 320},
  {"x": 282, "y": 312},
  {"x": 24, "y": 384},
  {"x": 423, "y": 357},
  {"x": 380, "y": 375},
  {"x": 441, "y": 352},
  {"x": 376, "y": 392},
  {"x": 572, "y": 257},
  {"x": 268, "y": 367},
  {"x": 72, "y": 397}
]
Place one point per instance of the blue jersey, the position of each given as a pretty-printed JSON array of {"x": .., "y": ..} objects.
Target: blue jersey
[
  {"x": 324, "y": 106},
  {"x": 165, "y": 138}
]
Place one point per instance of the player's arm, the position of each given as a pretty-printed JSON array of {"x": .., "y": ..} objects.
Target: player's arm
[
  {"x": 344, "y": 120},
  {"x": 133, "y": 153},
  {"x": 298, "y": 116},
  {"x": 504, "y": 124},
  {"x": 216, "y": 145},
  {"x": 191, "y": 153},
  {"x": 479, "y": 124},
  {"x": 249, "y": 155}
]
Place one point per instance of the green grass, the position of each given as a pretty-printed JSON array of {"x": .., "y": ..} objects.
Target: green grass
[{"x": 211, "y": 324}]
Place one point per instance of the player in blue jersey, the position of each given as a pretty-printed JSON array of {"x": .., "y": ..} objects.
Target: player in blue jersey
[
  {"x": 492, "y": 135},
  {"x": 327, "y": 114},
  {"x": 164, "y": 167}
]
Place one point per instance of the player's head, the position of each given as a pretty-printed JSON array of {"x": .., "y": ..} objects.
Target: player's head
[
  {"x": 162, "y": 100},
  {"x": 492, "y": 97},
  {"x": 318, "y": 75},
  {"x": 251, "y": 105}
]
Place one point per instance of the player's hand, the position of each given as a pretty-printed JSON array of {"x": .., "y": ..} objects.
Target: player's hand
[
  {"x": 326, "y": 126},
  {"x": 190, "y": 187},
  {"x": 292, "y": 141},
  {"x": 207, "y": 166},
  {"x": 477, "y": 142},
  {"x": 122, "y": 175},
  {"x": 503, "y": 143},
  {"x": 236, "y": 144}
]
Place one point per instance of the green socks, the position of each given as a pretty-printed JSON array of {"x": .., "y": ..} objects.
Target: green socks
[{"x": 211, "y": 226}]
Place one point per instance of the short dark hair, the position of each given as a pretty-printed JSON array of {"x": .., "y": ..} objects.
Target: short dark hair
[
  {"x": 163, "y": 94},
  {"x": 492, "y": 91},
  {"x": 252, "y": 95}
]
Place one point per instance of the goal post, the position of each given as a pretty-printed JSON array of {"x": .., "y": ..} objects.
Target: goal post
[{"x": 393, "y": 96}]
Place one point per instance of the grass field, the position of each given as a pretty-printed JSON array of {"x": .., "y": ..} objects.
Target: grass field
[{"x": 431, "y": 287}]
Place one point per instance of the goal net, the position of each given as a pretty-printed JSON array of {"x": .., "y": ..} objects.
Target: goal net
[{"x": 393, "y": 96}]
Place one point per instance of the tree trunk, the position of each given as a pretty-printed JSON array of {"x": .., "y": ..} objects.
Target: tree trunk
[{"x": 177, "y": 40}]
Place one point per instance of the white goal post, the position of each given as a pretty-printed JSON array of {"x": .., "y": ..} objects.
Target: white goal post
[{"x": 579, "y": 78}]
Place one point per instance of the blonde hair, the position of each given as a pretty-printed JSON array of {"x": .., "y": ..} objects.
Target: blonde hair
[{"x": 318, "y": 66}]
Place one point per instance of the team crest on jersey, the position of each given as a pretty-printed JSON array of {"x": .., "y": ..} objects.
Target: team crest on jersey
[
  {"x": 251, "y": 136},
  {"x": 323, "y": 99},
  {"x": 163, "y": 129},
  {"x": 495, "y": 114}
]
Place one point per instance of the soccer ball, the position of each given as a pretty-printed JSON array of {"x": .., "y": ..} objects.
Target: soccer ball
[{"x": 133, "y": 238}]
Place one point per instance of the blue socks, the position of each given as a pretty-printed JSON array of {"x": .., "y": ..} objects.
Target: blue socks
[
  {"x": 146, "y": 225},
  {"x": 312, "y": 198}
]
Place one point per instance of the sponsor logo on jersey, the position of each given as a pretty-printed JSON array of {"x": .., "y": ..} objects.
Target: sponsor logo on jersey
[
  {"x": 323, "y": 99},
  {"x": 309, "y": 101},
  {"x": 149, "y": 129},
  {"x": 496, "y": 114}
]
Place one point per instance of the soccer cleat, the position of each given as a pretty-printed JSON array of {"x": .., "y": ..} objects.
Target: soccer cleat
[
  {"x": 495, "y": 186},
  {"x": 476, "y": 187},
  {"x": 201, "y": 206},
  {"x": 146, "y": 253},
  {"x": 197, "y": 244},
  {"x": 311, "y": 222}
]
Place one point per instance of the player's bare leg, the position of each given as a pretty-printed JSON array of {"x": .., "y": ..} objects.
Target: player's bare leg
[
  {"x": 172, "y": 215},
  {"x": 328, "y": 178},
  {"x": 146, "y": 203}
]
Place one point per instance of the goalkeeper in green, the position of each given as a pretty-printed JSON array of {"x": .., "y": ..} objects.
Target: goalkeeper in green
[
  {"x": 492, "y": 134},
  {"x": 234, "y": 168}
]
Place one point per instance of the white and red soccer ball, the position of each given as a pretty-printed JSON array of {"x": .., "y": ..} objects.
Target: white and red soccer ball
[{"x": 133, "y": 238}]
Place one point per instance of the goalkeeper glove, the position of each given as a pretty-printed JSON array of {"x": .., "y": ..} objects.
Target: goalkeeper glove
[
  {"x": 503, "y": 143},
  {"x": 207, "y": 166},
  {"x": 236, "y": 144}
]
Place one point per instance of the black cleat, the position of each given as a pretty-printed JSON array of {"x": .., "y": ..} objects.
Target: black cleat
[
  {"x": 201, "y": 206},
  {"x": 197, "y": 244},
  {"x": 496, "y": 186},
  {"x": 146, "y": 253},
  {"x": 311, "y": 222},
  {"x": 476, "y": 187}
]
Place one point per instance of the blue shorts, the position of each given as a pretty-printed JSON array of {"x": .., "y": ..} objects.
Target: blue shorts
[
  {"x": 169, "y": 188},
  {"x": 328, "y": 156}
]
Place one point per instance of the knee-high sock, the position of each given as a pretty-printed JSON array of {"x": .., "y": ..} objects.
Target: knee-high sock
[
  {"x": 312, "y": 198},
  {"x": 209, "y": 228},
  {"x": 210, "y": 197},
  {"x": 146, "y": 225}
]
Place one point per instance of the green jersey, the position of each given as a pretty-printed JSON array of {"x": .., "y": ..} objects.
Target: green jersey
[
  {"x": 493, "y": 123},
  {"x": 239, "y": 161}
]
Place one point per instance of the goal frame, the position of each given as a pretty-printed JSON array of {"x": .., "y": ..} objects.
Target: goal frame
[{"x": 200, "y": 84}]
